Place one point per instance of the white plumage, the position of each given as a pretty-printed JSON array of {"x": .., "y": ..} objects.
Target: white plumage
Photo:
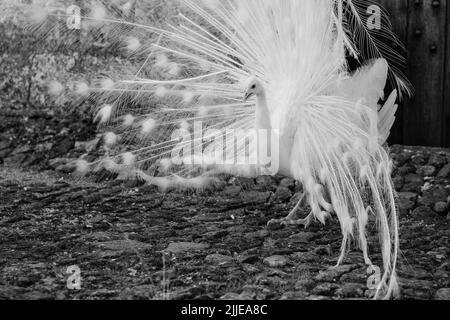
[{"x": 326, "y": 122}]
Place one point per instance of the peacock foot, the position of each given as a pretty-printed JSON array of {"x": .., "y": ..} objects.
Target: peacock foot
[{"x": 289, "y": 221}]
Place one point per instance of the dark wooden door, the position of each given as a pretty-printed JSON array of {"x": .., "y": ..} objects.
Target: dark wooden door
[{"x": 423, "y": 26}]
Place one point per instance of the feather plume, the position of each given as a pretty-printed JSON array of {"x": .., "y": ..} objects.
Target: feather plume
[{"x": 329, "y": 127}]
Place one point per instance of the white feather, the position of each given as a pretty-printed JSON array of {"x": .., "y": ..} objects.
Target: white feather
[{"x": 104, "y": 114}]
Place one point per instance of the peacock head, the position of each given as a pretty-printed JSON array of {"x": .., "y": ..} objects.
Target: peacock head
[{"x": 253, "y": 88}]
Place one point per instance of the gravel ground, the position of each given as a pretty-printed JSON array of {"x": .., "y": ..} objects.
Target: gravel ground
[{"x": 132, "y": 242}]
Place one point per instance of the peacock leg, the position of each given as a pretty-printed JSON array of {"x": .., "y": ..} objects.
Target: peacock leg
[
  {"x": 292, "y": 218},
  {"x": 306, "y": 222}
]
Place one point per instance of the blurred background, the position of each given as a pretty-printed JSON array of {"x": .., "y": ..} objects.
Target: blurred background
[{"x": 27, "y": 65}]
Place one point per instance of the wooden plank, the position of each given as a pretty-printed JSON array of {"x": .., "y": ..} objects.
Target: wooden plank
[
  {"x": 423, "y": 116},
  {"x": 446, "y": 103},
  {"x": 398, "y": 13}
]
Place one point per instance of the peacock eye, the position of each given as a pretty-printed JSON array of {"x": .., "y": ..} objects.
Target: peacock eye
[{"x": 253, "y": 86}]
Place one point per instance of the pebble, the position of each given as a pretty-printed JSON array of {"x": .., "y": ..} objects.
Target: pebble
[
  {"x": 443, "y": 294},
  {"x": 432, "y": 196},
  {"x": 441, "y": 208},
  {"x": 325, "y": 289},
  {"x": 407, "y": 200},
  {"x": 406, "y": 170},
  {"x": 276, "y": 261},
  {"x": 265, "y": 183},
  {"x": 413, "y": 183},
  {"x": 218, "y": 259},
  {"x": 251, "y": 259},
  {"x": 334, "y": 273},
  {"x": 423, "y": 212},
  {"x": 124, "y": 245},
  {"x": 181, "y": 247},
  {"x": 294, "y": 295},
  {"x": 444, "y": 172},
  {"x": 304, "y": 284},
  {"x": 4, "y": 144},
  {"x": 437, "y": 160},
  {"x": 351, "y": 290},
  {"x": 427, "y": 171},
  {"x": 287, "y": 183},
  {"x": 399, "y": 182},
  {"x": 282, "y": 195},
  {"x": 418, "y": 160},
  {"x": 232, "y": 191}
]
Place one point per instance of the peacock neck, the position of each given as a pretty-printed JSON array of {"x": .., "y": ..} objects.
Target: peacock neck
[{"x": 262, "y": 113}]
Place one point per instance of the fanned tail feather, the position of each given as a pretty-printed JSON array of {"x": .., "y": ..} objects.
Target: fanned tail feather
[{"x": 193, "y": 72}]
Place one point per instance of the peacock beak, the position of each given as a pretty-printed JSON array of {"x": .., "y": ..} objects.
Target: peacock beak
[{"x": 248, "y": 95}]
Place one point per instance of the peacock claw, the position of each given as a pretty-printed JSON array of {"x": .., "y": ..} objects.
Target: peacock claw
[{"x": 292, "y": 222}]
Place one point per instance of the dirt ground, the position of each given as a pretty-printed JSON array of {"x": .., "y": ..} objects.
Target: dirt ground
[{"x": 132, "y": 242}]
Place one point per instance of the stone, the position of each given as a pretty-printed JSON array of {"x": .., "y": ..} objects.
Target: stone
[
  {"x": 232, "y": 191},
  {"x": 124, "y": 245},
  {"x": 427, "y": 171},
  {"x": 64, "y": 165},
  {"x": 244, "y": 183},
  {"x": 282, "y": 195},
  {"x": 413, "y": 178},
  {"x": 304, "y": 284},
  {"x": 437, "y": 160},
  {"x": 66, "y": 168},
  {"x": 418, "y": 160},
  {"x": 43, "y": 147},
  {"x": 413, "y": 183},
  {"x": 400, "y": 157},
  {"x": 334, "y": 273},
  {"x": 254, "y": 197},
  {"x": 411, "y": 196},
  {"x": 265, "y": 183},
  {"x": 325, "y": 289},
  {"x": 22, "y": 149},
  {"x": 443, "y": 294},
  {"x": 358, "y": 275},
  {"x": 230, "y": 296},
  {"x": 16, "y": 160},
  {"x": 302, "y": 237},
  {"x": 294, "y": 295},
  {"x": 63, "y": 146},
  {"x": 444, "y": 172},
  {"x": 4, "y": 144},
  {"x": 87, "y": 146},
  {"x": 216, "y": 234},
  {"x": 55, "y": 163},
  {"x": 432, "y": 196},
  {"x": 423, "y": 212},
  {"x": 248, "y": 259},
  {"x": 287, "y": 183},
  {"x": 276, "y": 261},
  {"x": 441, "y": 208},
  {"x": 407, "y": 200},
  {"x": 398, "y": 181},
  {"x": 182, "y": 247},
  {"x": 351, "y": 290},
  {"x": 406, "y": 170},
  {"x": 218, "y": 259},
  {"x": 33, "y": 158},
  {"x": 5, "y": 152},
  {"x": 323, "y": 251}
]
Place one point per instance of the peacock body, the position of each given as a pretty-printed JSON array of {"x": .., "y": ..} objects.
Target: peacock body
[{"x": 235, "y": 69}]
